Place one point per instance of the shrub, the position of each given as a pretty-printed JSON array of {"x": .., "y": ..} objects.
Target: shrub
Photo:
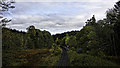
[{"x": 87, "y": 60}]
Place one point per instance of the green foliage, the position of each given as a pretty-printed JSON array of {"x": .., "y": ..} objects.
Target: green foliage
[
  {"x": 62, "y": 35},
  {"x": 69, "y": 41},
  {"x": 87, "y": 60},
  {"x": 87, "y": 39},
  {"x": 32, "y": 39},
  {"x": 12, "y": 39},
  {"x": 72, "y": 41},
  {"x": 113, "y": 17},
  {"x": 51, "y": 60},
  {"x": 56, "y": 49}
]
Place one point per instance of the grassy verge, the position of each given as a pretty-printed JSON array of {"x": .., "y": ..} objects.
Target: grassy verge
[
  {"x": 29, "y": 57},
  {"x": 87, "y": 60}
]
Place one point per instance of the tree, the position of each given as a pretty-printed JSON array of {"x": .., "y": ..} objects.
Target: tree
[
  {"x": 31, "y": 31},
  {"x": 5, "y": 5},
  {"x": 117, "y": 26},
  {"x": 39, "y": 39},
  {"x": 72, "y": 41},
  {"x": 32, "y": 39},
  {"x": 113, "y": 17},
  {"x": 87, "y": 38},
  {"x": 91, "y": 21}
]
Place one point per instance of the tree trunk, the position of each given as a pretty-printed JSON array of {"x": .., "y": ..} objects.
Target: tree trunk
[
  {"x": 114, "y": 44},
  {"x": 111, "y": 45}
]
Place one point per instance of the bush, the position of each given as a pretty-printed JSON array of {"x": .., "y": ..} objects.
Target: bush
[
  {"x": 51, "y": 60},
  {"x": 87, "y": 60}
]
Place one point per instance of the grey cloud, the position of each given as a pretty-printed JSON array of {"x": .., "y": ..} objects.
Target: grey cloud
[
  {"x": 57, "y": 17},
  {"x": 54, "y": 23}
]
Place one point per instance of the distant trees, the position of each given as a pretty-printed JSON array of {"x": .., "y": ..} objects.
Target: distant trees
[
  {"x": 69, "y": 41},
  {"x": 32, "y": 39},
  {"x": 12, "y": 39},
  {"x": 62, "y": 35}
]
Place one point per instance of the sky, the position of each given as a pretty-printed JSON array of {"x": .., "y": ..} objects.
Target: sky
[{"x": 56, "y": 16}]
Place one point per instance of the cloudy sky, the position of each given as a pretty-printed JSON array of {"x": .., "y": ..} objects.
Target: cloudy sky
[{"x": 58, "y": 16}]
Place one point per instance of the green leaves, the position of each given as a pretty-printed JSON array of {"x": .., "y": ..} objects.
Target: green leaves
[
  {"x": 87, "y": 60},
  {"x": 32, "y": 39}
]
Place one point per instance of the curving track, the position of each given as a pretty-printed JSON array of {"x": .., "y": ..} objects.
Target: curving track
[{"x": 64, "y": 57}]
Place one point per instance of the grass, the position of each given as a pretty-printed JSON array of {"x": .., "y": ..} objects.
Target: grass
[
  {"x": 30, "y": 57},
  {"x": 51, "y": 60},
  {"x": 49, "y": 57},
  {"x": 87, "y": 60}
]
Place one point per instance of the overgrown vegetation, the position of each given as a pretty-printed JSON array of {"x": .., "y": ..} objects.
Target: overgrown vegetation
[
  {"x": 32, "y": 39},
  {"x": 30, "y": 57},
  {"x": 87, "y": 60}
]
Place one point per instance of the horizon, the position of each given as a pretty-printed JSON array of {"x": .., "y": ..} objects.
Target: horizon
[{"x": 43, "y": 30}]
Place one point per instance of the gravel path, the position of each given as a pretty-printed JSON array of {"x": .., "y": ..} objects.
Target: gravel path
[{"x": 64, "y": 58}]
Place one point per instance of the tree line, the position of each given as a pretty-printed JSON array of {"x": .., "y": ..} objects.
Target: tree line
[{"x": 32, "y": 39}]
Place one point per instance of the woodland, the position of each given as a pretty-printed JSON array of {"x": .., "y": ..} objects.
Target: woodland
[{"x": 96, "y": 44}]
